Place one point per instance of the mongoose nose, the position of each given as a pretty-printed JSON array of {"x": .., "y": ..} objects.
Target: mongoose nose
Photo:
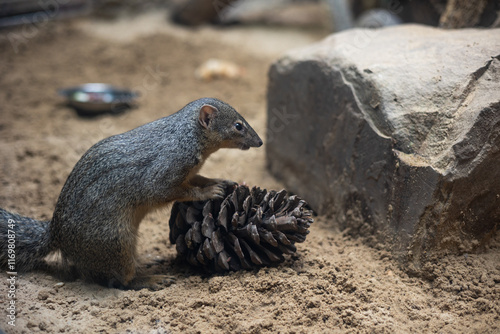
[{"x": 259, "y": 144}]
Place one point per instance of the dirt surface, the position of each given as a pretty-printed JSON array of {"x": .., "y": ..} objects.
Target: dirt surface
[{"x": 333, "y": 284}]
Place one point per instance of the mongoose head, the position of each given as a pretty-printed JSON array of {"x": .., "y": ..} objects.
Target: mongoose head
[{"x": 225, "y": 127}]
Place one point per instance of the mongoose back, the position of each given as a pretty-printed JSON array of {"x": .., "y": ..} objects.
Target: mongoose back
[{"x": 117, "y": 182}]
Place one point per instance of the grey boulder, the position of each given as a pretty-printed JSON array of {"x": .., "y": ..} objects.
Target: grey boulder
[{"x": 394, "y": 133}]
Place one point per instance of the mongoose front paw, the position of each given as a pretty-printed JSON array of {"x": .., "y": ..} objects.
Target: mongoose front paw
[
  {"x": 217, "y": 191},
  {"x": 229, "y": 185}
]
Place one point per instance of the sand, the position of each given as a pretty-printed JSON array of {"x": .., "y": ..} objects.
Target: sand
[{"x": 333, "y": 284}]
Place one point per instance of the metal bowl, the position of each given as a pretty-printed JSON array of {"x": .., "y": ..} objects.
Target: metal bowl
[{"x": 96, "y": 98}]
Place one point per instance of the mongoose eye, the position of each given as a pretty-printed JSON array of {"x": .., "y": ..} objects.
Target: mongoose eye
[{"x": 238, "y": 126}]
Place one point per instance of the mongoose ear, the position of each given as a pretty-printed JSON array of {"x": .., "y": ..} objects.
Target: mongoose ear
[{"x": 207, "y": 114}]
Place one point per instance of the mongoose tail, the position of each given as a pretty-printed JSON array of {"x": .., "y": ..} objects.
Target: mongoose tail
[{"x": 28, "y": 241}]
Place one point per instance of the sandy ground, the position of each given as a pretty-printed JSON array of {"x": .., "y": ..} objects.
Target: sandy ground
[{"x": 333, "y": 284}]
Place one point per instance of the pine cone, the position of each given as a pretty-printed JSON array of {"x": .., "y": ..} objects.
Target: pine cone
[{"x": 246, "y": 229}]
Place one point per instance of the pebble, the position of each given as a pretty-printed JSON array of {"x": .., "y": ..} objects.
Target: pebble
[{"x": 59, "y": 285}]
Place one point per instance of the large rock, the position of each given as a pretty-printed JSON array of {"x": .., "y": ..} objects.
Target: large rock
[{"x": 394, "y": 133}]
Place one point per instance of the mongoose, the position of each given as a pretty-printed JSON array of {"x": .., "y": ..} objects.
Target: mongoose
[{"x": 117, "y": 182}]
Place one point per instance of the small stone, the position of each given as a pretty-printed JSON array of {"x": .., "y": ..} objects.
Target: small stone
[
  {"x": 313, "y": 303},
  {"x": 42, "y": 325},
  {"x": 43, "y": 295},
  {"x": 31, "y": 324}
]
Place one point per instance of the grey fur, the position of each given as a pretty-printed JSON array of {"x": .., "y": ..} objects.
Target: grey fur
[{"x": 120, "y": 179}]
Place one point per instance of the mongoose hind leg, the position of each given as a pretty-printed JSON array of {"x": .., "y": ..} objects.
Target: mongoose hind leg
[
  {"x": 113, "y": 276},
  {"x": 120, "y": 271},
  {"x": 111, "y": 263}
]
